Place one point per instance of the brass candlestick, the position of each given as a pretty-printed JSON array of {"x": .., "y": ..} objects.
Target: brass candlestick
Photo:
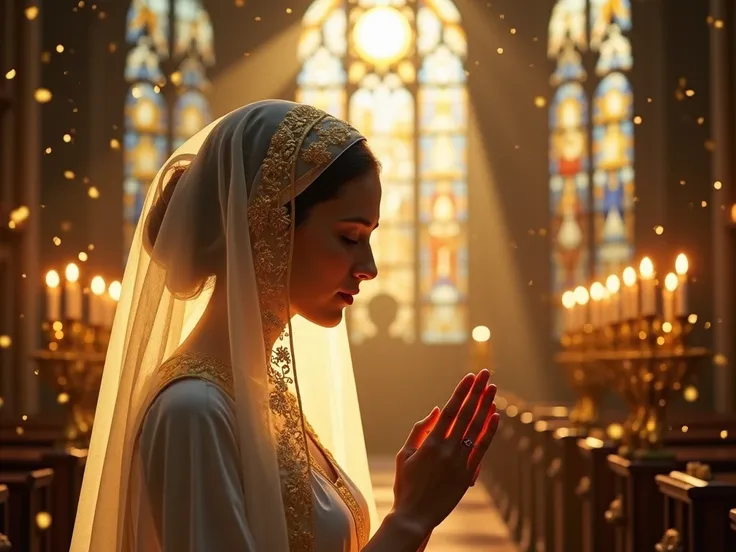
[{"x": 72, "y": 363}]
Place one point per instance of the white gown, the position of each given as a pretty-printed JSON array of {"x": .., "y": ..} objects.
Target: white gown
[{"x": 189, "y": 463}]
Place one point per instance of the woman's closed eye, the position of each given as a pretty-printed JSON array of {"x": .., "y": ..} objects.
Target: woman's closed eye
[{"x": 350, "y": 240}]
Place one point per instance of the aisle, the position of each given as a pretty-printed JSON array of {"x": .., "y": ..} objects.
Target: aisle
[{"x": 473, "y": 526}]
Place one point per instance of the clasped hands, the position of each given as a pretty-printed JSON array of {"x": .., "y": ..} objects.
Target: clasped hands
[{"x": 442, "y": 455}]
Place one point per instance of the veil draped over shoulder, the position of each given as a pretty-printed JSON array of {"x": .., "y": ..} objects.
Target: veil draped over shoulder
[{"x": 260, "y": 157}]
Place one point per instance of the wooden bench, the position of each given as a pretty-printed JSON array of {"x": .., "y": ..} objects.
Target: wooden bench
[
  {"x": 68, "y": 466},
  {"x": 696, "y": 510},
  {"x": 30, "y": 503},
  {"x": 4, "y": 519}
]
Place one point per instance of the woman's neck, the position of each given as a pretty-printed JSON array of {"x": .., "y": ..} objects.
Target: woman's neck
[{"x": 211, "y": 335}]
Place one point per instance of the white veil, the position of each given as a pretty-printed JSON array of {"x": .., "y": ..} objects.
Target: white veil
[{"x": 257, "y": 158}]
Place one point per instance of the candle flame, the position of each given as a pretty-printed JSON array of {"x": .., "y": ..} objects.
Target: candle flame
[
  {"x": 72, "y": 272},
  {"x": 613, "y": 284},
  {"x": 581, "y": 295},
  {"x": 597, "y": 291},
  {"x": 481, "y": 333},
  {"x": 568, "y": 299},
  {"x": 97, "y": 285},
  {"x": 114, "y": 290},
  {"x": 646, "y": 268},
  {"x": 681, "y": 264},
  {"x": 670, "y": 282},
  {"x": 629, "y": 276},
  {"x": 52, "y": 279}
]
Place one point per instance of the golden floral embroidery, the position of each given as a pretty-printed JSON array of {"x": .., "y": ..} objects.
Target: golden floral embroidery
[
  {"x": 271, "y": 229},
  {"x": 194, "y": 365}
]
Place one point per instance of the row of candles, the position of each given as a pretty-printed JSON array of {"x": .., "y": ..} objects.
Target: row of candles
[
  {"x": 611, "y": 302},
  {"x": 101, "y": 304}
]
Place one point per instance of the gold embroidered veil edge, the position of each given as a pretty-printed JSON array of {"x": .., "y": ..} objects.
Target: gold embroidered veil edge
[{"x": 263, "y": 154}]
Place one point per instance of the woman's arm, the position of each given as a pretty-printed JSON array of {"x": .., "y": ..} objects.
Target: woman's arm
[{"x": 191, "y": 471}]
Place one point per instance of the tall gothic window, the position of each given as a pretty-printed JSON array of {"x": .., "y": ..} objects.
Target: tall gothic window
[
  {"x": 592, "y": 226},
  {"x": 171, "y": 45},
  {"x": 395, "y": 70}
]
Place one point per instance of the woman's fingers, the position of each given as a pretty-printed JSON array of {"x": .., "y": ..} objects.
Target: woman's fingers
[
  {"x": 452, "y": 408},
  {"x": 481, "y": 447},
  {"x": 482, "y": 416},
  {"x": 470, "y": 407}
]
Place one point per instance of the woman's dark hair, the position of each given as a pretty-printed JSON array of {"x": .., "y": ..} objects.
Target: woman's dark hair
[{"x": 209, "y": 249}]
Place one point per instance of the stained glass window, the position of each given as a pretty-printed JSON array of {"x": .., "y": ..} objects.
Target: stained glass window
[
  {"x": 588, "y": 37},
  {"x": 159, "y": 114},
  {"x": 395, "y": 70}
]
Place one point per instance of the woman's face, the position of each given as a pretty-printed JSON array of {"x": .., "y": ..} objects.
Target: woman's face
[{"x": 332, "y": 251}]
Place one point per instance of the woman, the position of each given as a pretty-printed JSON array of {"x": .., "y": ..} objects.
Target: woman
[{"x": 202, "y": 438}]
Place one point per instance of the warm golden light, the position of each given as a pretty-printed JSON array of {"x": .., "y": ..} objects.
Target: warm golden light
[
  {"x": 629, "y": 276},
  {"x": 568, "y": 299},
  {"x": 382, "y": 35},
  {"x": 646, "y": 268},
  {"x": 52, "y": 279},
  {"x": 97, "y": 285},
  {"x": 581, "y": 295},
  {"x": 597, "y": 291},
  {"x": 681, "y": 264},
  {"x": 481, "y": 333},
  {"x": 72, "y": 272},
  {"x": 670, "y": 281},
  {"x": 114, "y": 290},
  {"x": 613, "y": 284}
]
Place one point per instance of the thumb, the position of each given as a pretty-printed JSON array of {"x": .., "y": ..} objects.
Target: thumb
[{"x": 421, "y": 429}]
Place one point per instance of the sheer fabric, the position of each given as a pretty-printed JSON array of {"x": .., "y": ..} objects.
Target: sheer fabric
[{"x": 259, "y": 157}]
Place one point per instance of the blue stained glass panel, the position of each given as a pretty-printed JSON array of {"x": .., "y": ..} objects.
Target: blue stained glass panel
[{"x": 145, "y": 110}]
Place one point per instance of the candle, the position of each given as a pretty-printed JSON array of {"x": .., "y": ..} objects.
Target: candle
[
  {"x": 479, "y": 357},
  {"x": 73, "y": 293},
  {"x": 681, "y": 268},
  {"x": 53, "y": 296},
  {"x": 668, "y": 297},
  {"x": 97, "y": 307},
  {"x": 597, "y": 293},
  {"x": 568, "y": 301},
  {"x": 613, "y": 285},
  {"x": 648, "y": 288},
  {"x": 630, "y": 294},
  {"x": 113, "y": 296},
  {"x": 581, "y": 308}
]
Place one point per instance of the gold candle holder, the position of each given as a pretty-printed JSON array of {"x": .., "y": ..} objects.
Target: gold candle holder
[{"x": 72, "y": 364}]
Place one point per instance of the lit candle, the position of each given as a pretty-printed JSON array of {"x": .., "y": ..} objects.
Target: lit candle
[
  {"x": 630, "y": 294},
  {"x": 481, "y": 348},
  {"x": 97, "y": 307},
  {"x": 681, "y": 268},
  {"x": 53, "y": 296},
  {"x": 568, "y": 301},
  {"x": 613, "y": 284},
  {"x": 581, "y": 308},
  {"x": 597, "y": 293},
  {"x": 668, "y": 297},
  {"x": 73, "y": 293},
  {"x": 113, "y": 293},
  {"x": 648, "y": 291}
]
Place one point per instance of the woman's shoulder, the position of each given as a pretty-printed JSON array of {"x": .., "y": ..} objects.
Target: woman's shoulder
[{"x": 194, "y": 367}]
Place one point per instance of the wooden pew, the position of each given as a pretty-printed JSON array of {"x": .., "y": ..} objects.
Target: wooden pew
[
  {"x": 68, "y": 467},
  {"x": 30, "y": 502},
  {"x": 732, "y": 515},
  {"x": 595, "y": 491},
  {"x": 696, "y": 511},
  {"x": 4, "y": 519},
  {"x": 637, "y": 512}
]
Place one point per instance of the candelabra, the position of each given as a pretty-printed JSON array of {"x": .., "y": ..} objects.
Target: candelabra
[
  {"x": 72, "y": 364},
  {"x": 642, "y": 354}
]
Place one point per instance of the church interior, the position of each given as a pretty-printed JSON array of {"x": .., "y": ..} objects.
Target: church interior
[{"x": 559, "y": 207}]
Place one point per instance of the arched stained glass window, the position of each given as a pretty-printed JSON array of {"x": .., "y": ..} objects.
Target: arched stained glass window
[
  {"x": 395, "y": 70},
  {"x": 592, "y": 54},
  {"x": 161, "y": 113}
]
